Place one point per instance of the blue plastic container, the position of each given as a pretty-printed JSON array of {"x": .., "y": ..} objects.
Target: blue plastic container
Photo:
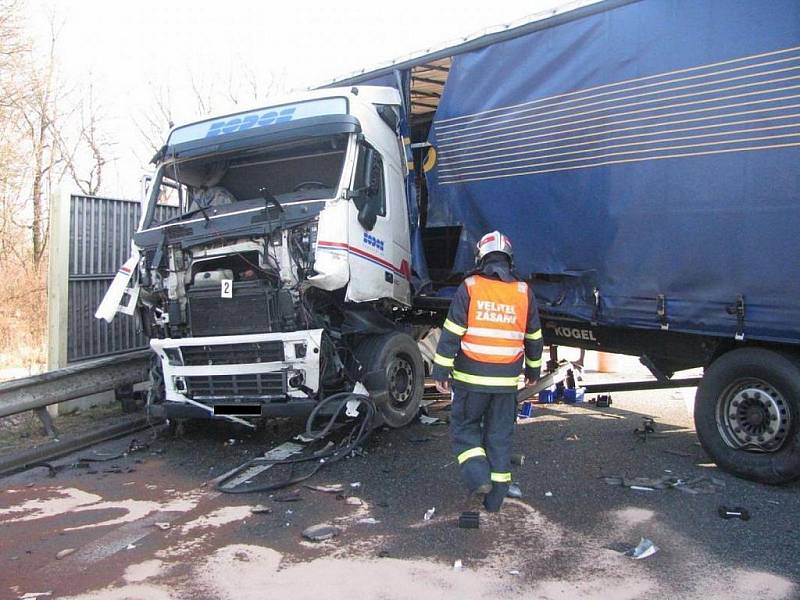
[
  {"x": 547, "y": 397},
  {"x": 573, "y": 396},
  {"x": 526, "y": 409}
]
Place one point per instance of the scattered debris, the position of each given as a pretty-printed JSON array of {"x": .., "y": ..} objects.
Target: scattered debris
[
  {"x": 355, "y": 484},
  {"x": 162, "y": 526},
  {"x": 130, "y": 547},
  {"x": 293, "y": 496},
  {"x": 426, "y": 420},
  {"x": 549, "y": 494},
  {"x": 469, "y": 519},
  {"x": 260, "y": 509},
  {"x": 321, "y": 532},
  {"x": 231, "y": 442},
  {"x": 34, "y": 595},
  {"x": 326, "y": 489},
  {"x": 695, "y": 485},
  {"x": 603, "y": 401},
  {"x": 679, "y": 453},
  {"x": 302, "y": 437},
  {"x": 648, "y": 430},
  {"x": 368, "y": 521},
  {"x": 353, "y": 501},
  {"x": 513, "y": 572},
  {"x": 64, "y": 553},
  {"x": 429, "y": 514},
  {"x": 571, "y": 437},
  {"x": 458, "y": 565},
  {"x": 514, "y": 491},
  {"x": 645, "y": 548},
  {"x": 733, "y": 512}
]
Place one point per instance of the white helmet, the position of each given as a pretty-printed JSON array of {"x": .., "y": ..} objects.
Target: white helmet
[{"x": 494, "y": 242}]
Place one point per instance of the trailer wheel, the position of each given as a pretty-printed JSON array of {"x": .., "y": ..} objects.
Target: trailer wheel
[
  {"x": 398, "y": 356},
  {"x": 747, "y": 414}
]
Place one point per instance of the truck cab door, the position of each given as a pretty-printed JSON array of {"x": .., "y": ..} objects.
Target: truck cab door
[{"x": 374, "y": 262}]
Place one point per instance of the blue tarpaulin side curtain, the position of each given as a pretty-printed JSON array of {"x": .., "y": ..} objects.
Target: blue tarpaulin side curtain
[{"x": 648, "y": 150}]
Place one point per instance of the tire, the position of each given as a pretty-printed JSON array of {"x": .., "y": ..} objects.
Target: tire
[
  {"x": 398, "y": 356},
  {"x": 747, "y": 414}
]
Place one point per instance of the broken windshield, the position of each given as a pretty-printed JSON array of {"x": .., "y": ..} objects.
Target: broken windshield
[{"x": 298, "y": 171}]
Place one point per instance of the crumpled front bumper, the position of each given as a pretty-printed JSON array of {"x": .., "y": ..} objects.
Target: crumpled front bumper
[{"x": 278, "y": 372}]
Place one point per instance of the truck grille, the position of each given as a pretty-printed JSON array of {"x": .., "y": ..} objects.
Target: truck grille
[
  {"x": 228, "y": 386},
  {"x": 232, "y": 354}
]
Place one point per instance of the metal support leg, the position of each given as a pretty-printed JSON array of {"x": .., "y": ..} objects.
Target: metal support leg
[
  {"x": 552, "y": 364},
  {"x": 47, "y": 421}
]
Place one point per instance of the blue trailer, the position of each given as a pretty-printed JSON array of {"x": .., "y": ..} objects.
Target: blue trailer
[{"x": 643, "y": 158}]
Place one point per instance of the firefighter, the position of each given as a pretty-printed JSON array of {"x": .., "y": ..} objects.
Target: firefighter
[{"x": 491, "y": 332}]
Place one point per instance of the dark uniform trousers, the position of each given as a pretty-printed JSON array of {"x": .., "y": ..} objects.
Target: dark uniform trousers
[{"x": 484, "y": 420}]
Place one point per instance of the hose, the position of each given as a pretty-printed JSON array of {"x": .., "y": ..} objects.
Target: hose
[{"x": 357, "y": 436}]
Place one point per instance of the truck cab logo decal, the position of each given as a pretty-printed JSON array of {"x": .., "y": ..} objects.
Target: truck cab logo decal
[
  {"x": 373, "y": 242},
  {"x": 271, "y": 117}
]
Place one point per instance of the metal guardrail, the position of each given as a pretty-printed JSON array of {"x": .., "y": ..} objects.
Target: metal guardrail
[{"x": 76, "y": 381}]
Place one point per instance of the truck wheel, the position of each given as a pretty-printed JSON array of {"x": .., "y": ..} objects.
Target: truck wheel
[
  {"x": 398, "y": 356},
  {"x": 747, "y": 414}
]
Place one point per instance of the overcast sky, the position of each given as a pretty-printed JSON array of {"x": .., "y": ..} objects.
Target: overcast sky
[{"x": 131, "y": 49}]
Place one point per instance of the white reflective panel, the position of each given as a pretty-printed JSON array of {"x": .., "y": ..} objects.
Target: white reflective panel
[
  {"x": 503, "y": 334},
  {"x": 492, "y": 350}
]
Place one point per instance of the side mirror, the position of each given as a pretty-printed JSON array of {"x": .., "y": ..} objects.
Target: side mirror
[{"x": 367, "y": 215}]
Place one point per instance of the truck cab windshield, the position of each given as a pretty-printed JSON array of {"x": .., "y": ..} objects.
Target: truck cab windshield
[{"x": 306, "y": 170}]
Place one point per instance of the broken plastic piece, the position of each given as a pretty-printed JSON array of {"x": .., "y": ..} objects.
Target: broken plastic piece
[
  {"x": 352, "y": 407},
  {"x": 368, "y": 521},
  {"x": 292, "y": 496},
  {"x": 429, "y": 514},
  {"x": 321, "y": 532},
  {"x": 64, "y": 553},
  {"x": 458, "y": 565},
  {"x": 260, "y": 509},
  {"x": 549, "y": 494},
  {"x": 162, "y": 526},
  {"x": 514, "y": 491},
  {"x": 733, "y": 512},
  {"x": 327, "y": 489},
  {"x": 645, "y": 548},
  {"x": 353, "y": 501},
  {"x": 426, "y": 420},
  {"x": 513, "y": 572},
  {"x": 469, "y": 520},
  {"x": 355, "y": 484}
]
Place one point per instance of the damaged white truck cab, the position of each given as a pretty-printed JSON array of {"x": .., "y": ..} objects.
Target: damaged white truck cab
[{"x": 285, "y": 274}]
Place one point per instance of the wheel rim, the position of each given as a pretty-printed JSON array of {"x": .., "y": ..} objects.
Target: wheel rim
[
  {"x": 400, "y": 377},
  {"x": 752, "y": 415}
]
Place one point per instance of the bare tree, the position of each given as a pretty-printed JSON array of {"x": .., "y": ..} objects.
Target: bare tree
[
  {"x": 86, "y": 158},
  {"x": 155, "y": 120}
]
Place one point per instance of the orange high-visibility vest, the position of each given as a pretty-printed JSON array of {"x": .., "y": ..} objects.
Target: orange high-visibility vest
[{"x": 496, "y": 322}]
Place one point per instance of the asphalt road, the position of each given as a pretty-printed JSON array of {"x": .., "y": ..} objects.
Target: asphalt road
[{"x": 150, "y": 525}]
